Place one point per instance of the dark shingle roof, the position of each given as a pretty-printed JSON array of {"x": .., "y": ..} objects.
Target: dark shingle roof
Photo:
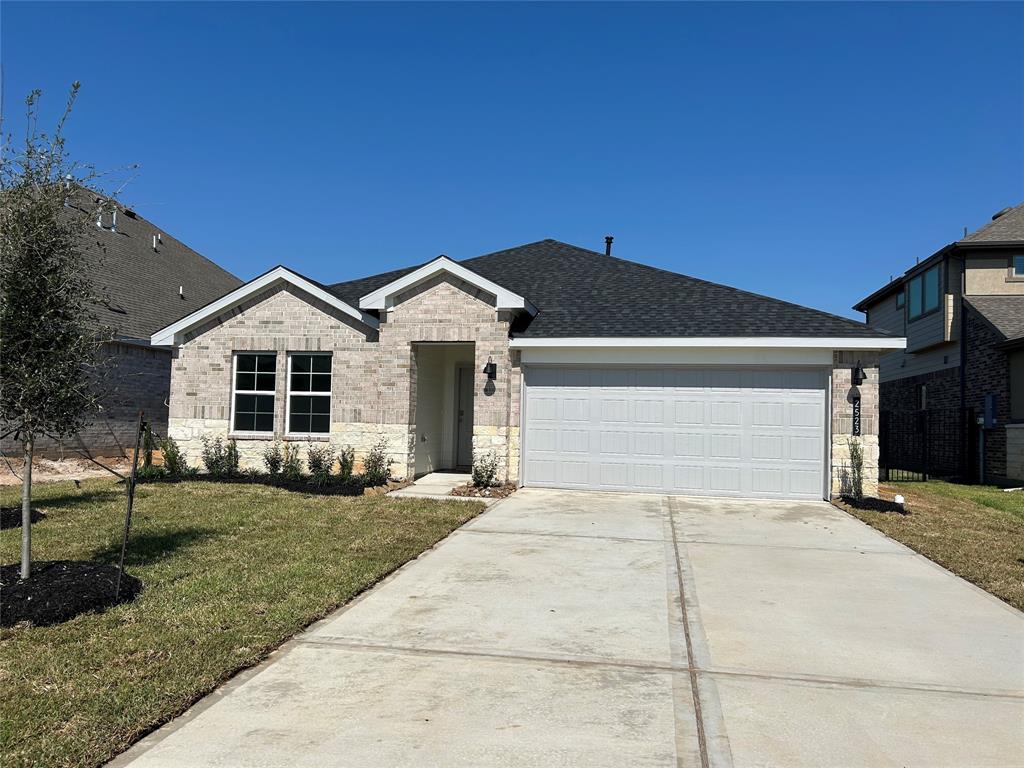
[
  {"x": 1004, "y": 313},
  {"x": 140, "y": 284},
  {"x": 583, "y": 293},
  {"x": 1007, "y": 227}
]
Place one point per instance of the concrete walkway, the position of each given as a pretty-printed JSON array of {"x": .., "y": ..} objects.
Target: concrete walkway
[
  {"x": 585, "y": 629},
  {"x": 436, "y": 485}
]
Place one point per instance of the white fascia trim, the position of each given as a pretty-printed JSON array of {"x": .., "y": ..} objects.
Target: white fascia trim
[
  {"x": 810, "y": 342},
  {"x": 381, "y": 298},
  {"x": 173, "y": 333}
]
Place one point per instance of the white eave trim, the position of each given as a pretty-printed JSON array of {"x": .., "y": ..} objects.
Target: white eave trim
[
  {"x": 174, "y": 333},
  {"x": 505, "y": 299},
  {"x": 764, "y": 342}
]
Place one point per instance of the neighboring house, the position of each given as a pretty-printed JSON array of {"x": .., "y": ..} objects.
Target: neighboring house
[
  {"x": 962, "y": 312},
  {"x": 576, "y": 369},
  {"x": 147, "y": 279}
]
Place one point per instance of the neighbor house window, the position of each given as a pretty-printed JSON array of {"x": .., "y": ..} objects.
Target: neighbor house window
[
  {"x": 253, "y": 395},
  {"x": 924, "y": 293},
  {"x": 901, "y": 299},
  {"x": 309, "y": 394},
  {"x": 1018, "y": 266}
]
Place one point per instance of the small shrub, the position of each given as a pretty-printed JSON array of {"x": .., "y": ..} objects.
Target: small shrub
[
  {"x": 220, "y": 459},
  {"x": 320, "y": 460},
  {"x": 485, "y": 471},
  {"x": 174, "y": 463},
  {"x": 291, "y": 465},
  {"x": 151, "y": 472},
  {"x": 251, "y": 474},
  {"x": 856, "y": 469},
  {"x": 273, "y": 458},
  {"x": 377, "y": 465},
  {"x": 346, "y": 461}
]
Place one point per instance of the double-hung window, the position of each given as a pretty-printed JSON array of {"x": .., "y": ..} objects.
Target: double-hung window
[
  {"x": 309, "y": 394},
  {"x": 924, "y": 293},
  {"x": 1017, "y": 266},
  {"x": 255, "y": 377}
]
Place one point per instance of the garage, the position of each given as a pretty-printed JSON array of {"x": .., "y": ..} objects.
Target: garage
[{"x": 703, "y": 431}]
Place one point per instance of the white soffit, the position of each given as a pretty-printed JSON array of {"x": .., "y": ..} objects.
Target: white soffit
[
  {"x": 383, "y": 296},
  {"x": 763, "y": 342},
  {"x": 173, "y": 333}
]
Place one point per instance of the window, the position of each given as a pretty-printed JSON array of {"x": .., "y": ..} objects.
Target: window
[
  {"x": 901, "y": 299},
  {"x": 309, "y": 394},
  {"x": 253, "y": 395},
  {"x": 1017, "y": 266},
  {"x": 924, "y": 293},
  {"x": 1016, "y": 360}
]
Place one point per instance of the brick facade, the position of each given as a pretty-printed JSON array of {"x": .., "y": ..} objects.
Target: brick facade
[
  {"x": 987, "y": 371},
  {"x": 942, "y": 390},
  {"x": 138, "y": 377}
]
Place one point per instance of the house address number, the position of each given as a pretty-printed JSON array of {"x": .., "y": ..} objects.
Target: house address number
[{"x": 856, "y": 417}]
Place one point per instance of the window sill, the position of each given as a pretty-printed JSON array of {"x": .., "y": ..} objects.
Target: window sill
[
  {"x": 251, "y": 435},
  {"x": 318, "y": 437}
]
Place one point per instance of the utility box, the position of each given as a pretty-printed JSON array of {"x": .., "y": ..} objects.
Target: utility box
[{"x": 989, "y": 419}]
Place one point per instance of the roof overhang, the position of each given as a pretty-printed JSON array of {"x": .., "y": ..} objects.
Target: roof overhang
[
  {"x": 174, "y": 333},
  {"x": 383, "y": 298},
  {"x": 762, "y": 342}
]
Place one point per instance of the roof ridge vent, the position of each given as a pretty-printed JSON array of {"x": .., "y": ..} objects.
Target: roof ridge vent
[{"x": 1003, "y": 212}]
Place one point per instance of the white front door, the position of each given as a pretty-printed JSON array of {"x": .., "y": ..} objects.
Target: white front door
[{"x": 700, "y": 431}]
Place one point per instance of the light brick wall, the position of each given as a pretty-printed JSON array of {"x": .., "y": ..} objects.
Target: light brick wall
[
  {"x": 374, "y": 377},
  {"x": 842, "y": 419}
]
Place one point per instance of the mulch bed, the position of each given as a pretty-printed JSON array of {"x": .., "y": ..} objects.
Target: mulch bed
[
  {"x": 337, "y": 487},
  {"x": 59, "y": 590},
  {"x": 10, "y": 517},
  {"x": 496, "y": 492},
  {"x": 870, "y": 504}
]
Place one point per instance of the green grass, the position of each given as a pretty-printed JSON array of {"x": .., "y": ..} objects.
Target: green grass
[
  {"x": 975, "y": 531},
  {"x": 986, "y": 495},
  {"x": 230, "y": 572}
]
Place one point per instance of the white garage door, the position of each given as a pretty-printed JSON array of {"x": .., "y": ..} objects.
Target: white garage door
[{"x": 714, "y": 432}]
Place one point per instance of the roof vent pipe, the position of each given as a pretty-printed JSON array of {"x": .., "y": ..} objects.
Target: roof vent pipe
[
  {"x": 181, "y": 291},
  {"x": 154, "y": 242},
  {"x": 608, "y": 245},
  {"x": 113, "y": 220},
  {"x": 997, "y": 214}
]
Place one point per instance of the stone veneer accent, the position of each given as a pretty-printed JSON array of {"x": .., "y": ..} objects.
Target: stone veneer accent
[{"x": 842, "y": 419}]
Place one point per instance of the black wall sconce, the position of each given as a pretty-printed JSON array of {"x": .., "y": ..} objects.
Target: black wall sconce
[
  {"x": 858, "y": 376},
  {"x": 491, "y": 369}
]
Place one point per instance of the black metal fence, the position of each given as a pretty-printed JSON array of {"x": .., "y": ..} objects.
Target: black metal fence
[{"x": 934, "y": 443}]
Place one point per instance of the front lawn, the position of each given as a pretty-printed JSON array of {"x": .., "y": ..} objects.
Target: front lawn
[
  {"x": 975, "y": 531},
  {"x": 230, "y": 571}
]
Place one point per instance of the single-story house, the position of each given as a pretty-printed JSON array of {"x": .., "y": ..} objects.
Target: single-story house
[{"x": 574, "y": 368}]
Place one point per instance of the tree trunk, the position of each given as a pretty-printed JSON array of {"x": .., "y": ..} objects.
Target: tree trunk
[{"x": 26, "y": 512}]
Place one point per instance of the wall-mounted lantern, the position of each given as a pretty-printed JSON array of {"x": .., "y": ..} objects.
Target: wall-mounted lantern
[
  {"x": 491, "y": 369},
  {"x": 858, "y": 376}
]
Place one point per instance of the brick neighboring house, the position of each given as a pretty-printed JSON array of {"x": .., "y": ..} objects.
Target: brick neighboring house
[
  {"x": 962, "y": 312},
  {"x": 574, "y": 368},
  {"x": 148, "y": 279}
]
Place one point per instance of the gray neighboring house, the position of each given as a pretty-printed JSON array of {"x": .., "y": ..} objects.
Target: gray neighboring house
[
  {"x": 962, "y": 312},
  {"x": 573, "y": 368},
  {"x": 148, "y": 279}
]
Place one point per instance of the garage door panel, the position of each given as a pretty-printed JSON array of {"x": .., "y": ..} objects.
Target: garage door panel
[{"x": 728, "y": 432}]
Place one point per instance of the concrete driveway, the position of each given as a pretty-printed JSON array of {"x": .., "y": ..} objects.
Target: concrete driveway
[{"x": 583, "y": 629}]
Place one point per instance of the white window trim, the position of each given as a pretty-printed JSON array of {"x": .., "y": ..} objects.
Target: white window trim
[
  {"x": 288, "y": 400},
  {"x": 232, "y": 432}
]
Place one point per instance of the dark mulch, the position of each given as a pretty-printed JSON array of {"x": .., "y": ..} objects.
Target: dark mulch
[
  {"x": 495, "y": 492},
  {"x": 59, "y": 590},
  {"x": 871, "y": 504},
  {"x": 10, "y": 517},
  {"x": 352, "y": 486}
]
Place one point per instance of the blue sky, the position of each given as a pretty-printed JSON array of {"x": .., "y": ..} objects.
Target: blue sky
[{"x": 805, "y": 151}]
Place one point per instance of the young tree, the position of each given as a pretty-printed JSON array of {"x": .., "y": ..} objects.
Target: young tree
[{"x": 49, "y": 334}]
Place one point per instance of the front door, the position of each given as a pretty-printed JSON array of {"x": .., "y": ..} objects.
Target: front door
[{"x": 464, "y": 417}]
